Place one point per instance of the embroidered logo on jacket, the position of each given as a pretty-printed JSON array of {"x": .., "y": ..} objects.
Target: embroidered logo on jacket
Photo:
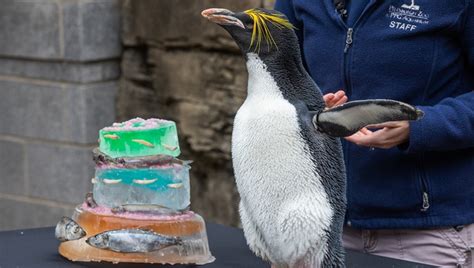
[
  {"x": 407, "y": 17},
  {"x": 412, "y": 6}
]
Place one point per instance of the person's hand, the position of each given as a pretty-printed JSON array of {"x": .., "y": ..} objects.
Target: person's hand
[
  {"x": 335, "y": 99},
  {"x": 386, "y": 135}
]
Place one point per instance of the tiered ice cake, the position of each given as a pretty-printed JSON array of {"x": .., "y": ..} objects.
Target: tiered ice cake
[{"x": 139, "y": 208}]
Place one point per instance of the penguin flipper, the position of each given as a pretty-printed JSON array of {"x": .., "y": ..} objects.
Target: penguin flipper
[{"x": 347, "y": 119}]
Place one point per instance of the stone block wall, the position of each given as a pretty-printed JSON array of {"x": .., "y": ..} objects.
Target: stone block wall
[
  {"x": 59, "y": 70},
  {"x": 178, "y": 65}
]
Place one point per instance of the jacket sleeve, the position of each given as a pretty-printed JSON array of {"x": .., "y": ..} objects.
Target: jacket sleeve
[{"x": 449, "y": 125}]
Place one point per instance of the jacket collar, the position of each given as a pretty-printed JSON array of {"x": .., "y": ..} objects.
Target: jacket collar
[{"x": 333, "y": 13}]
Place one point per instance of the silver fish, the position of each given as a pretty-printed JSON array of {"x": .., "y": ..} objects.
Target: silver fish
[
  {"x": 148, "y": 209},
  {"x": 175, "y": 185},
  {"x": 169, "y": 147},
  {"x": 67, "y": 229},
  {"x": 141, "y": 161},
  {"x": 144, "y": 181},
  {"x": 90, "y": 200},
  {"x": 132, "y": 241},
  {"x": 111, "y": 136},
  {"x": 144, "y": 142},
  {"x": 111, "y": 181}
]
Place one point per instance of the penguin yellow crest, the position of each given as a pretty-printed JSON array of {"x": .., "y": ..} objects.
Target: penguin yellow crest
[{"x": 260, "y": 28}]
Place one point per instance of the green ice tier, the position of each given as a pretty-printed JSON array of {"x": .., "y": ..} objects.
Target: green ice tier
[{"x": 139, "y": 137}]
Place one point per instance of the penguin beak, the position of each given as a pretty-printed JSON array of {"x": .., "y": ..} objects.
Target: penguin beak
[{"x": 222, "y": 17}]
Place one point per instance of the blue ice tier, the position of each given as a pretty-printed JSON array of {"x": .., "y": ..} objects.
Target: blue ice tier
[{"x": 167, "y": 186}]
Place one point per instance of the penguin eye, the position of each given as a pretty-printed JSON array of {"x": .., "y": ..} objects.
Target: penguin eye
[
  {"x": 249, "y": 25},
  {"x": 246, "y": 20}
]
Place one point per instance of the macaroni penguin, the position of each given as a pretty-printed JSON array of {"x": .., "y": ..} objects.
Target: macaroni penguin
[{"x": 287, "y": 159}]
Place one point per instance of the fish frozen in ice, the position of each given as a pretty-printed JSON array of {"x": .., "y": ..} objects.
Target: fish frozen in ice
[
  {"x": 148, "y": 209},
  {"x": 67, "y": 229},
  {"x": 132, "y": 241},
  {"x": 144, "y": 181},
  {"x": 143, "y": 161}
]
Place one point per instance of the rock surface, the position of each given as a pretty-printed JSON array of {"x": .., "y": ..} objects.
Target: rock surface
[{"x": 177, "y": 65}]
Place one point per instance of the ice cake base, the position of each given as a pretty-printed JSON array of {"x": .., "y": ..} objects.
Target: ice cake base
[{"x": 190, "y": 227}]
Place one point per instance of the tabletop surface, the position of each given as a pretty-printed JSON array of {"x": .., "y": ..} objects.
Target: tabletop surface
[{"x": 38, "y": 248}]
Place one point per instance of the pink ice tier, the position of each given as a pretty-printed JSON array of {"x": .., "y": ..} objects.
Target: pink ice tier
[
  {"x": 105, "y": 211},
  {"x": 120, "y": 166},
  {"x": 137, "y": 124}
]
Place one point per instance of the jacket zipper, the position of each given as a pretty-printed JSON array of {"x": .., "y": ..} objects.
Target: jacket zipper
[
  {"x": 347, "y": 81},
  {"x": 349, "y": 33},
  {"x": 425, "y": 205},
  {"x": 348, "y": 44},
  {"x": 426, "y": 202}
]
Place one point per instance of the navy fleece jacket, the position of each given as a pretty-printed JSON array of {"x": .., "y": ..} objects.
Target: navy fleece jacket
[{"x": 420, "y": 52}]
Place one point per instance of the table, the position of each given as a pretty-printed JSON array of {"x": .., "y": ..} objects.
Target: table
[{"x": 38, "y": 248}]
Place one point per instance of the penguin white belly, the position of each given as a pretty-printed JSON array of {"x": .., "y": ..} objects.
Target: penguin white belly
[{"x": 281, "y": 192}]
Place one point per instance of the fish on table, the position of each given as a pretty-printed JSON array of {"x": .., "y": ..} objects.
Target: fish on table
[
  {"x": 67, "y": 229},
  {"x": 132, "y": 241},
  {"x": 148, "y": 209}
]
